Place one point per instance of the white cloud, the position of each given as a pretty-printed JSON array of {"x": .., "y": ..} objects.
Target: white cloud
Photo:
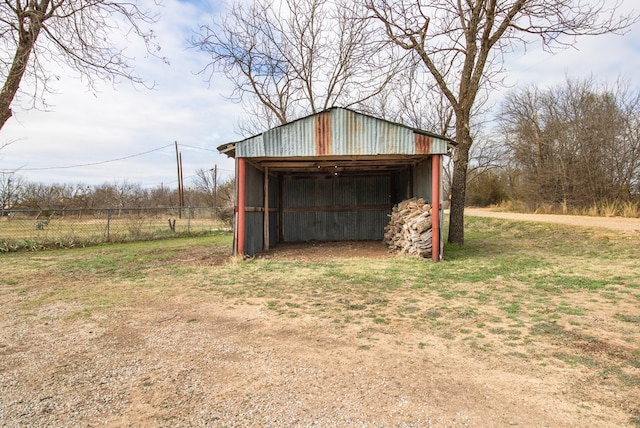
[
  {"x": 604, "y": 58},
  {"x": 84, "y": 128}
]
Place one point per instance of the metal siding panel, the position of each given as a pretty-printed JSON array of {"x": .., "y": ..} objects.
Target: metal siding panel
[
  {"x": 373, "y": 190},
  {"x": 254, "y": 238},
  {"x": 344, "y": 191},
  {"x": 347, "y": 133},
  {"x": 422, "y": 181},
  {"x": 397, "y": 139},
  {"x": 401, "y": 183},
  {"x": 255, "y": 187},
  {"x": 423, "y": 144},
  {"x": 357, "y": 134},
  {"x": 439, "y": 147},
  {"x": 323, "y": 134},
  {"x": 339, "y": 132},
  {"x": 251, "y": 147},
  {"x": 272, "y": 146},
  {"x": 274, "y": 218},
  {"x": 338, "y": 137},
  {"x": 360, "y": 136},
  {"x": 274, "y": 185},
  {"x": 273, "y": 228},
  {"x": 298, "y": 193},
  {"x": 324, "y": 192},
  {"x": 329, "y": 225},
  {"x": 324, "y": 226},
  {"x": 346, "y": 225},
  {"x": 372, "y": 224},
  {"x": 300, "y": 226},
  {"x": 254, "y": 221},
  {"x": 292, "y": 139}
]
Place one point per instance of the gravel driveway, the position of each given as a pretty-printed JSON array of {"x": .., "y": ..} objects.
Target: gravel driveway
[{"x": 621, "y": 224}]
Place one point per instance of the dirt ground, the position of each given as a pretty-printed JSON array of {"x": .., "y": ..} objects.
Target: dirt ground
[
  {"x": 189, "y": 361},
  {"x": 621, "y": 224}
]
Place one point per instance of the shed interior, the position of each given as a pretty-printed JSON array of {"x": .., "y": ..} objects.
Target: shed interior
[
  {"x": 328, "y": 198},
  {"x": 331, "y": 176}
]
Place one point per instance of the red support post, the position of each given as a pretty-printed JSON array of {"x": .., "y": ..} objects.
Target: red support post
[
  {"x": 241, "y": 207},
  {"x": 435, "y": 207}
]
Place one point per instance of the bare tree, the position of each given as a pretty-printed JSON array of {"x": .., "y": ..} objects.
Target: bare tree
[
  {"x": 205, "y": 183},
  {"x": 296, "y": 57},
  {"x": 34, "y": 34},
  {"x": 461, "y": 44},
  {"x": 412, "y": 98},
  {"x": 576, "y": 144},
  {"x": 10, "y": 187},
  {"x": 211, "y": 190}
]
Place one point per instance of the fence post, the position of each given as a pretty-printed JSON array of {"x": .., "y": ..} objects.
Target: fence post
[
  {"x": 108, "y": 224},
  {"x": 188, "y": 219}
]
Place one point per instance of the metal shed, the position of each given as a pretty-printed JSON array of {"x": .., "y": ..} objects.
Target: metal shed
[{"x": 332, "y": 176}]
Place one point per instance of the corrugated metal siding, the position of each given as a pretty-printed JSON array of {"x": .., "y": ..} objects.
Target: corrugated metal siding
[
  {"x": 298, "y": 193},
  {"x": 357, "y": 134},
  {"x": 422, "y": 181},
  {"x": 342, "y": 191},
  {"x": 293, "y": 139},
  {"x": 334, "y": 209},
  {"x": 300, "y": 226},
  {"x": 251, "y": 148},
  {"x": 335, "y": 226},
  {"x": 372, "y": 223},
  {"x": 439, "y": 147},
  {"x": 339, "y": 132},
  {"x": 273, "y": 228},
  {"x": 254, "y": 238},
  {"x": 254, "y": 221},
  {"x": 401, "y": 183},
  {"x": 423, "y": 144},
  {"x": 274, "y": 186},
  {"x": 323, "y": 134},
  {"x": 372, "y": 190},
  {"x": 254, "y": 179}
]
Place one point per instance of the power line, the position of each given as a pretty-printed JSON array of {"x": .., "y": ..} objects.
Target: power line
[
  {"x": 94, "y": 163},
  {"x": 199, "y": 148}
]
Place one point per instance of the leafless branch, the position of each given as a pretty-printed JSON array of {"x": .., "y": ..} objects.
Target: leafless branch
[{"x": 82, "y": 34}]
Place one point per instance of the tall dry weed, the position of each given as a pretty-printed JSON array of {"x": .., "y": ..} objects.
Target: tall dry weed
[
  {"x": 630, "y": 209},
  {"x": 545, "y": 209},
  {"x": 609, "y": 208}
]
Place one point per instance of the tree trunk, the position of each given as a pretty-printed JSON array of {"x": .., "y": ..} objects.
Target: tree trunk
[
  {"x": 459, "y": 184},
  {"x": 26, "y": 41}
]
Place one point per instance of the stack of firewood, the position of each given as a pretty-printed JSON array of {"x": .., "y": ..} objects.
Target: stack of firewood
[{"x": 409, "y": 229}]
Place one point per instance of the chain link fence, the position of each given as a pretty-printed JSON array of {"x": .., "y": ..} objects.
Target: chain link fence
[{"x": 39, "y": 229}]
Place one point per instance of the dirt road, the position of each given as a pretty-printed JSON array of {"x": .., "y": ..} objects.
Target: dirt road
[{"x": 621, "y": 224}]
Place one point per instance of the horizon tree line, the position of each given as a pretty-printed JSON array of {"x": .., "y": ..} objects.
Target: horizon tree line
[
  {"x": 18, "y": 193},
  {"x": 432, "y": 65}
]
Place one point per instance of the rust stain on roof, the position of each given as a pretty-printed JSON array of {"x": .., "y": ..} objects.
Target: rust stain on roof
[
  {"x": 323, "y": 134},
  {"x": 423, "y": 144}
]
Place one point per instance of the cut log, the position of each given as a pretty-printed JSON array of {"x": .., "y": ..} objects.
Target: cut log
[{"x": 409, "y": 228}]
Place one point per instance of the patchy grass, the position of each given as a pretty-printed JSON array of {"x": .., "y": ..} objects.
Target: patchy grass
[{"x": 524, "y": 294}]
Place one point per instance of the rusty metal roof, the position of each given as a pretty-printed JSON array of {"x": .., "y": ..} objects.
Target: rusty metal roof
[{"x": 341, "y": 139}]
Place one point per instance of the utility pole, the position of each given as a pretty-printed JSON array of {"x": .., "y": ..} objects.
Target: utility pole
[
  {"x": 181, "y": 184},
  {"x": 215, "y": 186},
  {"x": 178, "y": 159}
]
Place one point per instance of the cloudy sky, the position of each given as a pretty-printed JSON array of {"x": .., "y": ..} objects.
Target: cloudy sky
[{"x": 128, "y": 133}]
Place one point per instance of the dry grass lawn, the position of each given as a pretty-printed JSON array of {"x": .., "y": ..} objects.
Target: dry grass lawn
[{"x": 528, "y": 324}]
